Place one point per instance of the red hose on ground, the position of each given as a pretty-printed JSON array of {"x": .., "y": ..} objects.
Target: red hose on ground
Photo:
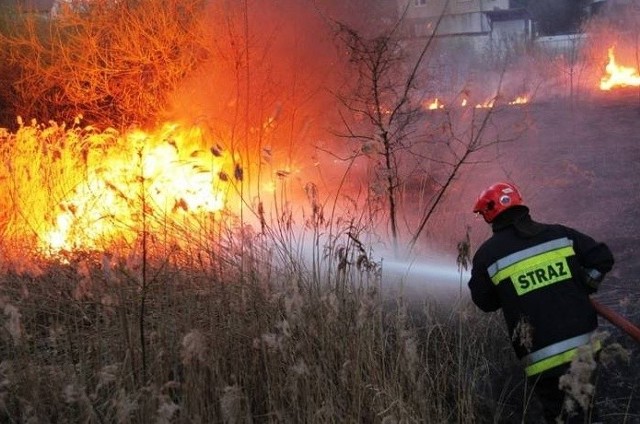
[{"x": 617, "y": 320}]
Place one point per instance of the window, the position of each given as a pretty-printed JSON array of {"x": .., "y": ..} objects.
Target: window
[{"x": 419, "y": 2}]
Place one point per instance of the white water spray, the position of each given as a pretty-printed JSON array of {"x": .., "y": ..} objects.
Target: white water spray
[{"x": 428, "y": 275}]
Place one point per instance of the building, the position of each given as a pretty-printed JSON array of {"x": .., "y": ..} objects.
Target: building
[{"x": 481, "y": 24}]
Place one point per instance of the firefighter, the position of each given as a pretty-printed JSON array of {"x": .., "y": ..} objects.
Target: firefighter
[{"x": 541, "y": 275}]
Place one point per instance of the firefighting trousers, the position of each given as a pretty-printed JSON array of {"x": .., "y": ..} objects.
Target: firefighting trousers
[{"x": 554, "y": 405}]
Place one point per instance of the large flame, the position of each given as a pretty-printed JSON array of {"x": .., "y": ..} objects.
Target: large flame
[
  {"x": 617, "y": 75},
  {"x": 158, "y": 175}
]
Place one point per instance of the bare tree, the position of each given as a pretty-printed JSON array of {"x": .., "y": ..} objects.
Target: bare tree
[
  {"x": 383, "y": 96},
  {"x": 385, "y": 114}
]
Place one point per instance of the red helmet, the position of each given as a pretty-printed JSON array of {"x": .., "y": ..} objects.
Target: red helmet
[{"x": 496, "y": 199}]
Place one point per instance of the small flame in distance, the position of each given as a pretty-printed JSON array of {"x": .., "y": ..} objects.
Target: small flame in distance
[{"x": 618, "y": 75}]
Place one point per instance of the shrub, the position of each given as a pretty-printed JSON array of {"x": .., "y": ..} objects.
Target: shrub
[{"x": 114, "y": 62}]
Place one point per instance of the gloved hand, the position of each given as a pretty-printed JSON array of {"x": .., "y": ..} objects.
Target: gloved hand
[{"x": 593, "y": 278}]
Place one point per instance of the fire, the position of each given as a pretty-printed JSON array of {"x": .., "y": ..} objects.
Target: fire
[
  {"x": 520, "y": 100},
  {"x": 438, "y": 104},
  {"x": 487, "y": 104},
  {"x": 618, "y": 76},
  {"x": 164, "y": 176}
]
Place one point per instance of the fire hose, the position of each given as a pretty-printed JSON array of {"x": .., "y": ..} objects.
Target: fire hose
[{"x": 618, "y": 320}]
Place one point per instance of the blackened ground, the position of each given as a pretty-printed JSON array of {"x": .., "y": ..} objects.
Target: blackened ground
[{"x": 577, "y": 163}]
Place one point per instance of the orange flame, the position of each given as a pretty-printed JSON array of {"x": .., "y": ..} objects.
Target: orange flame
[
  {"x": 618, "y": 76},
  {"x": 520, "y": 100},
  {"x": 486, "y": 104},
  {"x": 437, "y": 104},
  {"x": 160, "y": 175}
]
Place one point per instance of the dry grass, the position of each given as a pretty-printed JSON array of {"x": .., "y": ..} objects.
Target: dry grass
[
  {"x": 231, "y": 325},
  {"x": 254, "y": 347}
]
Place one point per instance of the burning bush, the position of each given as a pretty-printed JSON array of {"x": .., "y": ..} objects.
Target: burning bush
[
  {"x": 80, "y": 188},
  {"x": 115, "y": 62}
]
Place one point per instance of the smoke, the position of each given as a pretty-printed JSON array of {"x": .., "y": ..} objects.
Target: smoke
[
  {"x": 269, "y": 94},
  {"x": 270, "y": 62}
]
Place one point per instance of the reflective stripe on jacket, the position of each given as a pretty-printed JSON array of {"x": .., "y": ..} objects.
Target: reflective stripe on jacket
[{"x": 534, "y": 267}]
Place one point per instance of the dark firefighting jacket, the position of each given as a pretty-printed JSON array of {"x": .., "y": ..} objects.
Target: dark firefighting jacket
[{"x": 536, "y": 273}]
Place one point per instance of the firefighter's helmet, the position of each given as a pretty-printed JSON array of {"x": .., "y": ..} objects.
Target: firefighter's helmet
[{"x": 496, "y": 199}]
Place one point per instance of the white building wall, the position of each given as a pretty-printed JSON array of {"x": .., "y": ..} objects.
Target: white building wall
[
  {"x": 458, "y": 16},
  {"x": 468, "y": 23},
  {"x": 433, "y": 8},
  {"x": 565, "y": 45}
]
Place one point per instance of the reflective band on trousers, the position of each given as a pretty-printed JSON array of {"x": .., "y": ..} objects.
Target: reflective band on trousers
[{"x": 557, "y": 354}]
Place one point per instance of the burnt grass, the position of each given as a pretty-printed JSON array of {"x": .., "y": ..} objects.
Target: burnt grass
[
  {"x": 578, "y": 163},
  {"x": 605, "y": 162}
]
